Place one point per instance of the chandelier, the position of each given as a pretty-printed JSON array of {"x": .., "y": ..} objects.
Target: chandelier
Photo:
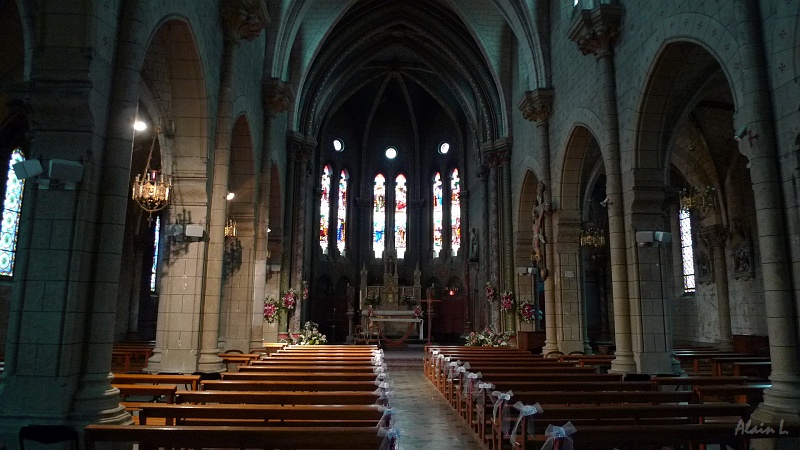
[
  {"x": 230, "y": 228},
  {"x": 593, "y": 237},
  {"x": 698, "y": 199},
  {"x": 151, "y": 188}
]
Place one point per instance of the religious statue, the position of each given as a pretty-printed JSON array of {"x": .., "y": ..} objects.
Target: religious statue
[
  {"x": 540, "y": 209},
  {"x": 473, "y": 245}
]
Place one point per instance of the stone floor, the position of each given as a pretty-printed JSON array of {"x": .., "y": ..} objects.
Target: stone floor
[{"x": 424, "y": 419}]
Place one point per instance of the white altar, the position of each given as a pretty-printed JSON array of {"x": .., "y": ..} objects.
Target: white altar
[{"x": 378, "y": 317}]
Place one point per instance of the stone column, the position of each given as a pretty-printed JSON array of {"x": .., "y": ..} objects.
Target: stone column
[
  {"x": 504, "y": 161},
  {"x": 302, "y": 148},
  {"x": 537, "y": 106},
  {"x": 593, "y": 31},
  {"x": 714, "y": 236},
  {"x": 141, "y": 246},
  {"x": 241, "y": 19},
  {"x": 782, "y": 400},
  {"x": 491, "y": 159},
  {"x": 277, "y": 97}
]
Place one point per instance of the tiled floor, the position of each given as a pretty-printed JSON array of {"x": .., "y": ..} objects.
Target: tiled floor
[{"x": 424, "y": 419}]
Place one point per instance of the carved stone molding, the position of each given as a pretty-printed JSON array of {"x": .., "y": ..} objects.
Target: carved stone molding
[
  {"x": 243, "y": 19},
  {"x": 705, "y": 268},
  {"x": 300, "y": 147},
  {"x": 742, "y": 251},
  {"x": 277, "y": 96},
  {"x": 713, "y": 235},
  {"x": 594, "y": 29},
  {"x": 537, "y": 105}
]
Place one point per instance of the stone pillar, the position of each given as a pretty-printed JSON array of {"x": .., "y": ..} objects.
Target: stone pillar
[
  {"x": 277, "y": 97},
  {"x": 491, "y": 159},
  {"x": 241, "y": 19},
  {"x": 301, "y": 147},
  {"x": 714, "y": 236},
  {"x": 288, "y": 236},
  {"x": 782, "y": 400},
  {"x": 141, "y": 248},
  {"x": 593, "y": 31},
  {"x": 504, "y": 161},
  {"x": 537, "y": 106}
]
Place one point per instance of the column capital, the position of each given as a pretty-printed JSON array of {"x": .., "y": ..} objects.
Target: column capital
[
  {"x": 497, "y": 152},
  {"x": 714, "y": 235},
  {"x": 300, "y": 147},
  {"x": 276, "y": 96},
  {"x": 243, "y": 19},
  {"x": 537, "y": 105},
  {"x": 594, "y": 29}
]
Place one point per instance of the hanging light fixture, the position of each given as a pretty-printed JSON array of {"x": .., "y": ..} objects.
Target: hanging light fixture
[
  {"x": 593, "y": 238},
  {"x": 151, "y": 188},
  {"x": 701, "y": 200},
  {"x": 230, "y": 228}
]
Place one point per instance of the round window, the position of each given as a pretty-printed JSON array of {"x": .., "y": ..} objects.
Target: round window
[{"x": 391, "y": 153}]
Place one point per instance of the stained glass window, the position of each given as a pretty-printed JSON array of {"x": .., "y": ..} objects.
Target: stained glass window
[
  {"x": 325, "y": 208},
  {"x": 400, "y": 215},
  {"x": 341, "y": 216},
  {"x": 11, "y": 207},
  {"x": 687, "y": 250},
  {"x": 154, "y": 267},
  {"x": 455, "y": 212},
  {"x": 379, "y": 216},
  {"x": 438, "y": 215}
]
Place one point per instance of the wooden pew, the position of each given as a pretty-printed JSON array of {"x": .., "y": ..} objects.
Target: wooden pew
[
  {"x": 620, "y": 416},
  {"x": 689, "y": 382},
  {"x": 269, "y": 415},
  {"x": 299, "y": 376},
  {"x": 245, "y": 385},
  {"x": 752, "y": 394},
  {"x": 278, "y": 397},
  {"x": 133, "y": 378},
  {"x": 153, "y": 437},
  {"x": 124, "y": 356},
  {"x": 319, "y": 362},
  {"x": 719, "y": 363},
  {"x": 308, "y": 368},
  {"x": 761, "y": 369},
  {"x": 452, "y": 386}
]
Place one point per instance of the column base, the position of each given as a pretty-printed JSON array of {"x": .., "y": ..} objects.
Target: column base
[
  {"x": 210, "y": 361},
  {"x": 623, "y": 363},
  {"x": 549, "y": 346}
]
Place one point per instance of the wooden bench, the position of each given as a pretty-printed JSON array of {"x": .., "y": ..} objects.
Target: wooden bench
[
  {"x": 618, "y": 416},
  {"x": 696, "y": 356},
  {"x": 718, "y": 364},
  {"x": 125, "y": 357},
  {"x": 752, "y": 394},
  {"x": 760, "y": 369},
  {"x": 134, "y": 378},
  {"x": 245, "y": 385},
  {"x": 278, "y": 397},
  {"x": 308, "y": 368},
  {"x": 260, "y": 415},
  {"x": 318, "y": 362},
  {"x": 692, "y": 381},
  {"x": 299, "y": 376},
  {"x": 153, "y": 437}
]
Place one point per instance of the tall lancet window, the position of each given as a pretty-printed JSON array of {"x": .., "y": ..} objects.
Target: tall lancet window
[
  {"x": 400, "y": 215},
  {"x": 687, "y": 250},
  {"x": 455, "y": 212},
  {"x": 379, "y": 216},
  {"x": 341, "y": 215},
  {"x": 156, "y": 243},
  {"x": 438, "y": 215},
  {"x": 11, "y": 207},
  {"x": 325, "y": 209}
]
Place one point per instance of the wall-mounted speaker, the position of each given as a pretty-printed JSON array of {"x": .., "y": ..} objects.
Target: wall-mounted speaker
[
  {"x": 65, "y": 170},
  {"x": 27, "y": 169}
]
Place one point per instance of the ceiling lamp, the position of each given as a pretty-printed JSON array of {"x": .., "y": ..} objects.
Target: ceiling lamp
[
  {"x": 151, "y": 188},
  {"x": 593, "y": 238},
  {"x": 701, "y": 200},
  {"x": 230, "y": 228}
]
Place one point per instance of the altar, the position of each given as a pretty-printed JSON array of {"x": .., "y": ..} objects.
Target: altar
[{"x": 379, "y": 318}]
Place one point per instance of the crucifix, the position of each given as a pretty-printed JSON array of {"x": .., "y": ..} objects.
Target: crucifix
[{"x": 430, "y": 301}]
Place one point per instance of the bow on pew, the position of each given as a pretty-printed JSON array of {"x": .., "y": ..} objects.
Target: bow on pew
[
  {"x": 525, "y": 411},
  {"x": 452, "y": 367},
  {"x": 502, "y": 401},
  {"x": 390, "y": 438},
  {"x": 387, "y": 419},
  {"x": 483, "y": 389},
  {"x": 469, "y": 384},
  {"x": 384, "y": 393},
  {"x": 459, "y": 373},
  {"x": 559, "y": 437}
]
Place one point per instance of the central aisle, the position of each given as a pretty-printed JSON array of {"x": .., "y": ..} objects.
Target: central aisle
[{"x": 424, "y": 419}]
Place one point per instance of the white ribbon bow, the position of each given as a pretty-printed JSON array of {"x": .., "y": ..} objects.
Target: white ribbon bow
[
  {"x": 379, "y": 369},
  {"x": 563, "y": 433},
  {"x": 472, "y": 378},
  {"x": 483, "y": 387},
  {"x": 387, "y": 418},
  {"x": 501, "y": 398},
  {"x": 390, "y": 437},
  {"x": 524, "y": 411}
]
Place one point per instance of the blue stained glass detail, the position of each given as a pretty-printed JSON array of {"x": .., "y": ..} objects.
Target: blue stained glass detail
[{"x": 11, "y": 209}]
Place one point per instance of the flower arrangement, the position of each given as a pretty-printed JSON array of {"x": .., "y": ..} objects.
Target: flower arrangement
[
  {"x": 289, "y": 299},
  {"x": 372, "y": 299},
  {"x": 418, "y": 312},
  {"x": 506, "y": 301},
  {"x": 488, "y": 338},
  {"x": 527, "y": 312},
  {"x": 310, "y": 335},
  {"x": 305, "y": 291},
  {"x": 489, "y": 292},
  {"x": 272, "y": 310}
]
